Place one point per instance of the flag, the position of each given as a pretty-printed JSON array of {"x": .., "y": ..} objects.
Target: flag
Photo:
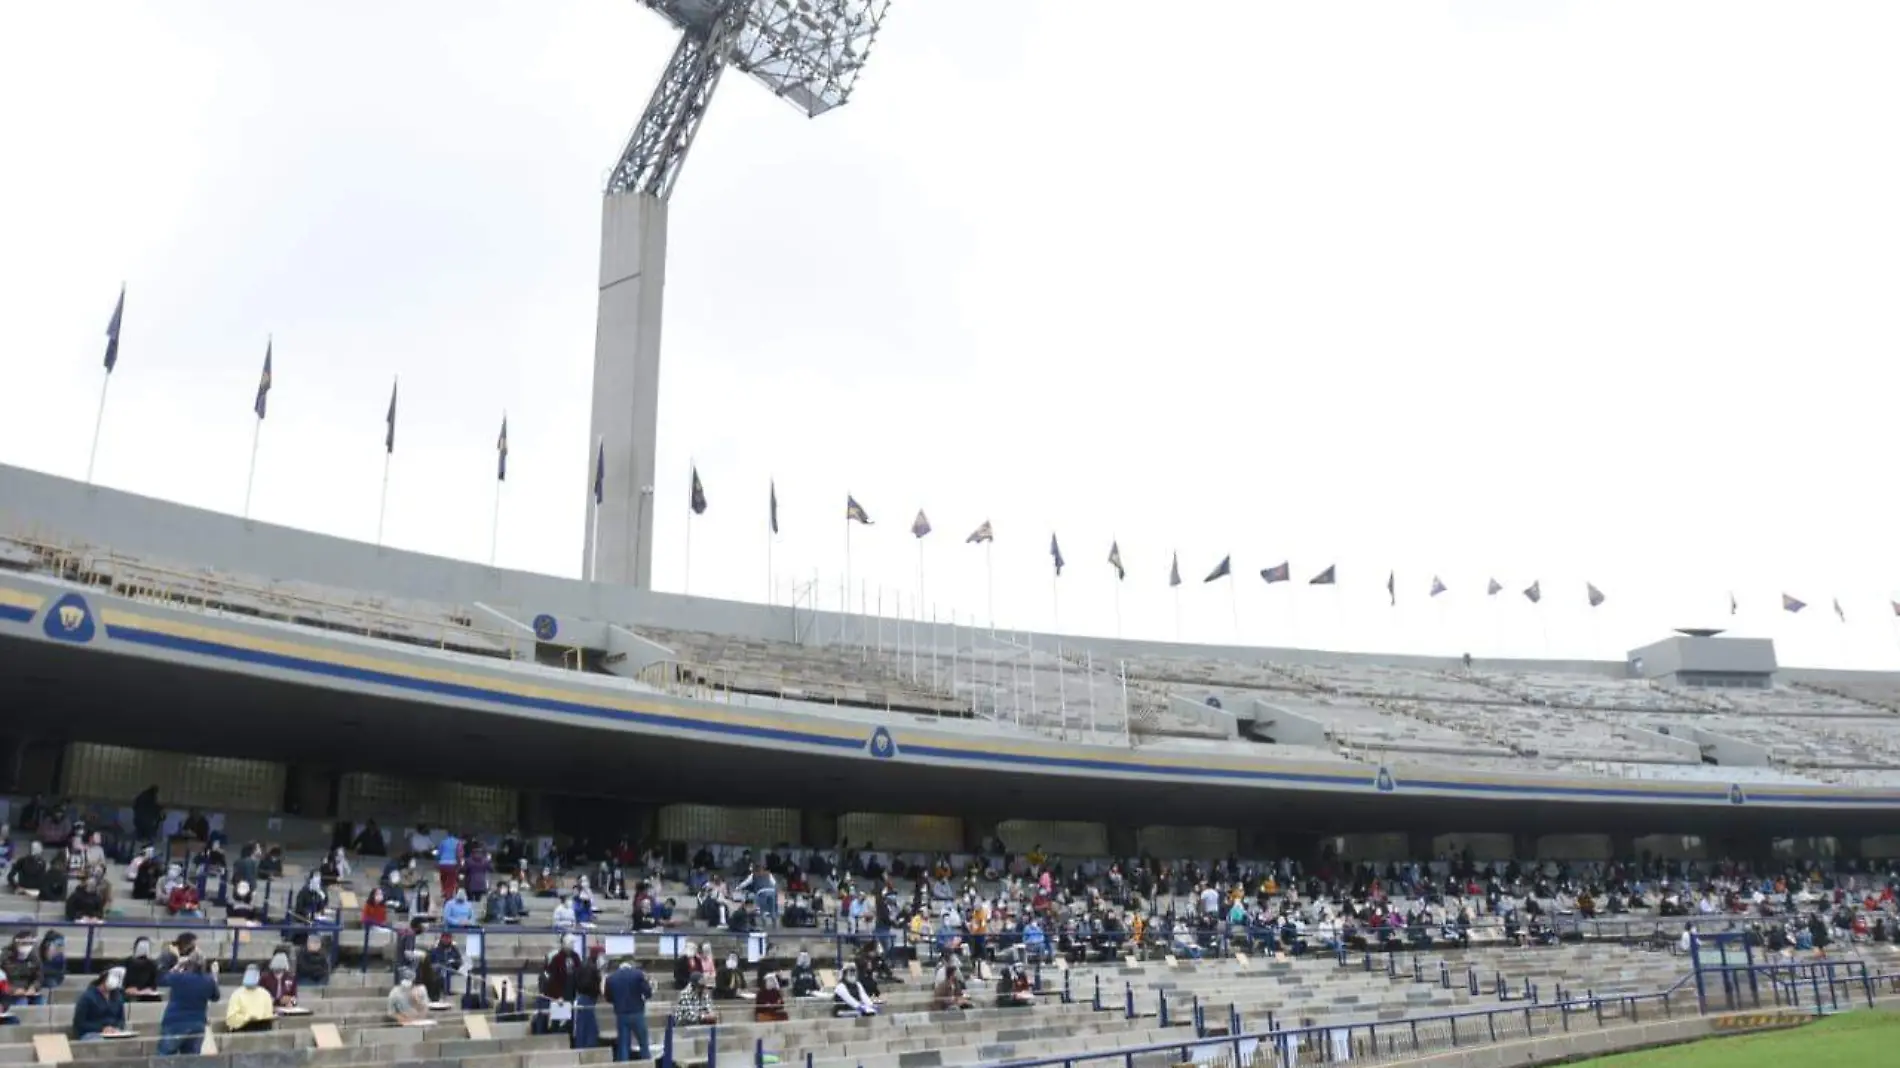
[
  {"x": 112, "y": 333},
  {"x": 600, "y": 473},
  {"x": 1494, "y": 588},
  {"x": 1731, "y": 602},
  {"x": 1837, "y": 610},
  {"x": 501, "y": 452},
  {"x": 263, "y": 385},
  {"x": 1392, "y": 587},
  {"x": 1115, "y": 560},
  {"x": 1324, "y": 578},
  {"x": 1055, "y": 551},
  {"x": 1534, "y": 592},
  {"x": 854, "y": 510},
  {"x": 1595, "y": 595},
  {"x": 1221, "y": 570},
  {"x": 1792, "y": 604},
  {"x": 1896, "y": 607},
  {"x": 1437, "y": 586},
  {"x": 389, "y": 436},
  {"x": 921, "y": 525},
  {"x": 696, "y": 500},
  {"x": 773, "y": 485},
  {"x": 1174, "y": 578},
  {"x": 1280, "y": 572},
  {"x": 981, "y": 535}
]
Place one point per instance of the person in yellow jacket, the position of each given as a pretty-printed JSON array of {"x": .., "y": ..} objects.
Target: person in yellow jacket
[{"x": 250, "y": 1008}]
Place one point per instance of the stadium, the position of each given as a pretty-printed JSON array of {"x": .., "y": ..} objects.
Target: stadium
[{"x": 277, "y": 797}]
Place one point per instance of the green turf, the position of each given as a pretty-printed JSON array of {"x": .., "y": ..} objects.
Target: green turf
[{"x": 1849, "y": 1040}]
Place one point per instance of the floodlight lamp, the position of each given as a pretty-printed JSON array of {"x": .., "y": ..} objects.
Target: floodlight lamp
[{"x": 808, "y": 52}]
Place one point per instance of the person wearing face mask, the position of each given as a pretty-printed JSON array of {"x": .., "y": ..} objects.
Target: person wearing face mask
[
  {"x": 52, "y": 954},
  {"x": 587, "y": 991},
  {"x": 849, "y": 998},
  {"x": 100, "y": 1011},
  {"x": 281, "y": 984},
  {"x": 407, "y": 1004},
  {"x": 629, "y": 990},
  {"x": 250, "y": 1007},
  {"x": 23, "y": 969},
  {"x": 504, "y": 905},
  {"x": 694, "y": 1008},
  {"x": 311, "y": 902},
  {"x": 457, "y": 912},
  {"x": 770, "y": 1007},
  {"x": 240, "y": 905},
  {"x": 141, "y": 972}
]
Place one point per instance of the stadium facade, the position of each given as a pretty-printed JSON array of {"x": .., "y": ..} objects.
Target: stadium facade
[{"x": 133, "y": 623}]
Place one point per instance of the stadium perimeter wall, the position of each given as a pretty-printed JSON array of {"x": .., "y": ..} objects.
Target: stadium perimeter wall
[{"x": 63, "y": 510}]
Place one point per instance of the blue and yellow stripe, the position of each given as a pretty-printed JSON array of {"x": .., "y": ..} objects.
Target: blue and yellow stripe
[{"x": 523, "y": 690}]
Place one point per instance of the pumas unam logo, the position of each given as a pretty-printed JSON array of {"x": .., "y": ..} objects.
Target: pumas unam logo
[
  {"x": 70, "y": 620},
  {"x": 883, "y": 746},
  {"x": 546, "y": 627},
  {"x": 1735, "y": 794},
  {"x": 1383, "y": 782}
]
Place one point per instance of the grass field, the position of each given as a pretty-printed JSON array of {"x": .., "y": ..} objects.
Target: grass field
[{"x": 1850, "y": 1040}]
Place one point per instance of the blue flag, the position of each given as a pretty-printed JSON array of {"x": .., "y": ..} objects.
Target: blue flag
[
  {"x": 501, "y": 452},
  {"x": 697, "y": 501},
  {"x": 1055, "y": 551},
  {"x": 389, "y": 436},
  {"x": 600, "y": 474},
  {"x": 263, "y": 384},
  {"x": 112, "y": 333}
]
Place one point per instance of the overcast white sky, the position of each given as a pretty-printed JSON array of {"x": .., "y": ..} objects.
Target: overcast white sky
[{"x": 1565, "y": 291}]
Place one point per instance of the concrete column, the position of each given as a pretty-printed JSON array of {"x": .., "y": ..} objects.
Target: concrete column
[
  {"x": 626, "y": 388},
  {"x": 1524, "y": 846},
  {"x": 1623, "y": 847}
]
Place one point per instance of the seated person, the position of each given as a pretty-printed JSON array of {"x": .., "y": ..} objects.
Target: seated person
[
  {"x": 280, "y": 982},
  {"x": 504, "y": 905},
  {"x": 1012, "y": 988},
  {"x": 393, "y": 895},
  {"x": 313, "y": 960},
  {"x": 87, "y": 904},
  {"x": 445, "y": 960},
  {"x": 240, "y": 905},
  {"x": 311, "y": 903},
  {"x": 805, "y": 977},
  {"x": 728, "y": 979},
  {"x": 693, "y": 1007},
  {"x": 408, "y": 1004},
  {"x": 457, "y": 912},
  {"x": 181, "y": 898},
  {"x": 52, "y": 960},
  {"x": 770, "y": 1006},
  {"x": 849, "y": 998},
  {"x": 141, "y": 973},
  {"x": 250, "y": 1007},
  {"x": 335, "y": 868},
  {"x": 949, "y": 993},
  {"x": 375, "y": 912},
  {"x": 100, "y": 1010}
]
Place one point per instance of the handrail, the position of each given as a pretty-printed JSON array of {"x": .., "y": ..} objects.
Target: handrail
[
  {"x": 702, "y": 681},
  {"x": 82, "y": 565}
]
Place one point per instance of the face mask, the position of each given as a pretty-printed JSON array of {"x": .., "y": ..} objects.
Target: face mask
[
  {"x": 251, "y": 978},
  {"x": 113, "y": 980},
  {"x": 407, "y": 983}
]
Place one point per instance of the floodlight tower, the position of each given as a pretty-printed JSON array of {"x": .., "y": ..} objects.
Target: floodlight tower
[{"x": 808, "y": 52}]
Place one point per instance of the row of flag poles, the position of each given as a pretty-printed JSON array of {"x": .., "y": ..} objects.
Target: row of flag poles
[{"x": 854, "y": 515}]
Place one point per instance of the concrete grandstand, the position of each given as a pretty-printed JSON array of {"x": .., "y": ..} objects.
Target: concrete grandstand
[{"x": 1366, "y": 858}]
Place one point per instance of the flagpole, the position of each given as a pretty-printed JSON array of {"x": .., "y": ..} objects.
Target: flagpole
[
  {"x": 1118, "y": 608},
  {"x": 771, "y": 587},
  {"x": 1091, "y": 678},
  {"x": 989, "y": 569},
  {"x": 494, "y": 526},
  {"x": 1177, "y": 613},
  {"x": 250, "y": 480},
  {"x": 1055, "y": 619},
  {"x": 686, "y": 584},
  {"x": 844, "y": 607},
  {"x": 1233, "y": 603},
  {"x": 382, "y": 511},
  {"x": 98, "y": 422},
  {"x": 933, "y": 647}
]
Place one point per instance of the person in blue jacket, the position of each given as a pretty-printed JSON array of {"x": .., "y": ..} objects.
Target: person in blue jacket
[
  {"x": 628, "y": 991},
  {"x": 100, "y": 1011},
  {"x": 193, "y": 987}
]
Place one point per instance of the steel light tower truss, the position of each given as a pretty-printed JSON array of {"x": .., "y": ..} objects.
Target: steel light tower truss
[{"x": 807, "y": 52}]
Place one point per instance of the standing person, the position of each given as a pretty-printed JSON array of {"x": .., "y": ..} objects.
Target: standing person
[
  {"x": 448, "y": 863},
  {"x": 628, "y": 990},
  {"x": 587, "y": 990},
  {"x": 181, "y": 1030}
]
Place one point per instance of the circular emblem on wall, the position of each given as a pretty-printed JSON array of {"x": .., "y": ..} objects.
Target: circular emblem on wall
[
  {"x": 546, "y": 627},
  {"x": 1383, "y": 782},
  {"x": 70, "y": 620},
  {"x": 1735, "y": 795},
  {"x": 883, "y": 746}
]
